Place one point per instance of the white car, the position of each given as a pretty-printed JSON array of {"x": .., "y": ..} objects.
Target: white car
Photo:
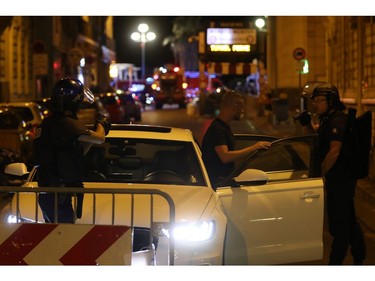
[
  {"x": 31, "y": 112},
  {"x": 274, "y": 216}
]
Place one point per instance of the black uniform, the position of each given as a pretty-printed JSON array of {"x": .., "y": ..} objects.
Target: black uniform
[
  {"x": 219, "y": 133},
  {"x": 340, "y": 183},
  {"x": 60, "y": 159}
]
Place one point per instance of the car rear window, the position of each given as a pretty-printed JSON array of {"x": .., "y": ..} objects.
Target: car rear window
[
  {"x": 9, "y": 121},
  {"x": 25, "y": 113}
]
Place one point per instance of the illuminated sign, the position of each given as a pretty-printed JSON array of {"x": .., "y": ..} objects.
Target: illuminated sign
[
  {"x": 230, "y": 36},
  {"x": 241, "y": 48},
  {"x": 220, "y": 48},
  {"x": 230, "y": 48}
]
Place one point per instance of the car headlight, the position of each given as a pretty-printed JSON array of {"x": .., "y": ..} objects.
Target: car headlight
[
  {"x": 196, "y": 232},
  {"x": 13, "y": 219}
]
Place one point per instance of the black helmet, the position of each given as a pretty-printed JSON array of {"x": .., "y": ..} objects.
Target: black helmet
[
  {"x": 315, "y": 89},
  {"x": 327, "y": 90},
  {"x": 68, "y": 94}
]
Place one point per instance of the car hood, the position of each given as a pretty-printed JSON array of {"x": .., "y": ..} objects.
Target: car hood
[{"x": 191, "y": 204}]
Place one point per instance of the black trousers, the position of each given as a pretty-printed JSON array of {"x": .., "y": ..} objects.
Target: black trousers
[
  {"x": 342, "y": 221},
  {"x": 65, "y": 212}
]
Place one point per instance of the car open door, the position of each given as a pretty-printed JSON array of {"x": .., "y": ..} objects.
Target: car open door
[{"x": 280, "y": 221}]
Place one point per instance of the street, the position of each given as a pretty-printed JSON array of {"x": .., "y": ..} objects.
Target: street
[{"x": 172, "y": 116}]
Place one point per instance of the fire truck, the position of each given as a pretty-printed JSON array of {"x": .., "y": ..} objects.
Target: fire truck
[
  {"x": 169, "y": 86},
  {"x": 212, "y": 84}
]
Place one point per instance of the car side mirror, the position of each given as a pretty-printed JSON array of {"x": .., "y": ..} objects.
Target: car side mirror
[
  {"x": 16, "y": 169},
  {"x": 251, "y": 177}
]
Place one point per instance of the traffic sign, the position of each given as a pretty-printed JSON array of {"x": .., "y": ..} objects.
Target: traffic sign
[
  {"x": 299, "y": 54},
  {"x": 40, "y": 63}
]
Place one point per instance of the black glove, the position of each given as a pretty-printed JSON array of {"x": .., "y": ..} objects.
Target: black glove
[
  {"x": 105, "y": 122},
  {"x": 304, "y": 118}
]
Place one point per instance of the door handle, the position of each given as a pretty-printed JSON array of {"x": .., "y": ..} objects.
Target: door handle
[{"x": 309, "y": 194}]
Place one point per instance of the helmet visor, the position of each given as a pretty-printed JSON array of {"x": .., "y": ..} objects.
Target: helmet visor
[{"x": 88, "y": 95}]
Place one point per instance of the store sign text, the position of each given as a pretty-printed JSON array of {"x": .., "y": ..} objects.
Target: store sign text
[{"x": 230, "y": 48}]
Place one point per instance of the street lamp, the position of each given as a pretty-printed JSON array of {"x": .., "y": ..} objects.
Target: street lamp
[
  {"x": 143, "y": 36},
  {"x": 260, "y": 23}
]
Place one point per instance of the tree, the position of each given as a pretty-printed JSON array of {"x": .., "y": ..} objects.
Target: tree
[{"x": 184, "y": 42}]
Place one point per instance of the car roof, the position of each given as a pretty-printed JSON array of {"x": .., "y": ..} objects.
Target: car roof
[
  {"x": 18, "y": 103},
  {"x": 151, "y": 132}
]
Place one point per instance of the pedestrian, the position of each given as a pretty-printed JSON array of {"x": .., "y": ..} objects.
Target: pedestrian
[
  {"x": 337, "y": 172},
  {"x": 59, "y": 148},
  {"x": 218, "y": 142}
]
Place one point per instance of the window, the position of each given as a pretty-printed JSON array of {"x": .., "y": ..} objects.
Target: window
[
  {"x": 290, "y": 158},
  {"x": 145, "y": 161}
]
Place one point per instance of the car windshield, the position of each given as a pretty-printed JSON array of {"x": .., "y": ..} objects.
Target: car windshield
[{"x": 143, "y": 161}]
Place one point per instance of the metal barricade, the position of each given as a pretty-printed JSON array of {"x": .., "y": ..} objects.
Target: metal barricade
[{"x": 113, "y": 192}]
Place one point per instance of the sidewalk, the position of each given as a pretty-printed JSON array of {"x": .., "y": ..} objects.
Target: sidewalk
[{"x": 365, "y": 193}]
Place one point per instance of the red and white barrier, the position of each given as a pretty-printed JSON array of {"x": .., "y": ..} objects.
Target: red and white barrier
[{"x": 64, "y": 244}]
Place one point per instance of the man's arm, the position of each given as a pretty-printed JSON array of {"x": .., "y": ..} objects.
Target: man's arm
[
  {"x": 331, "y": 157},
  {"x": 101, "y": 129},
  {"x": 227, "y": 156},
  {"x": 95, "y": 137}
]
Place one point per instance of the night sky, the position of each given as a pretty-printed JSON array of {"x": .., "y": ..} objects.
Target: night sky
[{"x": 129, "y": 51}]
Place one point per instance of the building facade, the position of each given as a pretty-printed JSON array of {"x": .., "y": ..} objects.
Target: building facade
[
  {"x": 36, "y": 51},
  {"x": 339, "y": 50}
]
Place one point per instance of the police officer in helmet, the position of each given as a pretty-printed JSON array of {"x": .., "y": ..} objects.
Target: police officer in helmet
[
  {"x": 336, "y": 170},
  {"x": 60, "y": 146}
]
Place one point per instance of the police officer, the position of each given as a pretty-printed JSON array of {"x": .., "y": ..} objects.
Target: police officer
[
  {"x": 336, "y": 169},
  {"x": 60, "y": 146}
]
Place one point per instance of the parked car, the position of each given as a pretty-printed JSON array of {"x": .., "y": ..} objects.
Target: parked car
[
  {"x": 44, "y": 106},
  {"x": 88, "y": 112},
  {"x": 8, "y": 156},
  {"x": 31, "y": 112},
  {"x": 15, "y": 134},
  {"x": 133, "y": 108},
  {"x": 268, "y": 216},
  {"x": 143, "y": 92},
  {"x": 112, "y": 104}
]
